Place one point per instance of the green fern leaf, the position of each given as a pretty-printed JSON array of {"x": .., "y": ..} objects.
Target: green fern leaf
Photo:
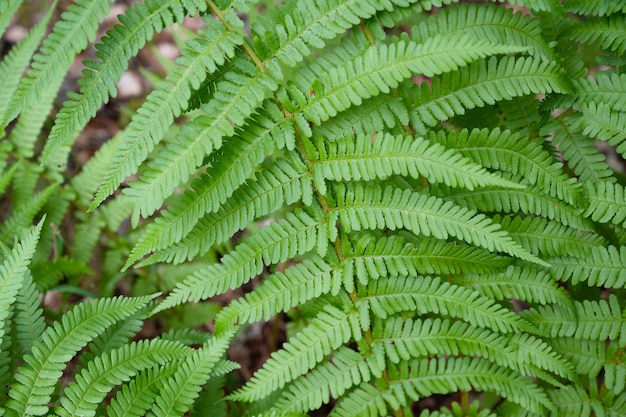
[
  {"x": 594, "y": 7},
  {"x": 593, "y": 356},
  {"x": 578, "y": 149},
  {"x": 608, "y": 32},
  {"x": 593, "y": 320},
  {"x": 483, "y": 82},
  {"x": 411, "y": 339},
  {"x": 82, "y": 397},
  {"x": 374, "y": 257},
  {"x": 13, "y": 270},
  {"x": 606, "y": 202},
  {"x": 15, "y": 62},
  {"x": 28, "y": 315},
  {"x": 138, "y": 26},
  {"x": 278, "y": 242},
  {"x": 116, "y": 336},
  {"x": 69, "y": 36},
  {"x": 182, "y": 388},
  {"x": 424, "y": 295},
  {"x": 365, "y": 159},
  {"x": 500, "y": 25},
  {"x": 602, "y": 267},
  {"x": 383, "y": 67},
  {"x": 378, "y": 114},
  {"x": 26, "y": 132},
  {"x": 373, "y": 208},
  {"x": 288, "y": 33},
  {"x": 262, "y": 135},
  {"x": 329, "y": 330},
  {"x": 138, "y": 396},
  {"x": 530, "y": 201},
  {"x": 24, "y": 215},
  {"x": 508, "y": 151},
  {"x": 57, "y": 345},
  {"x": 542, "y": 237},
  {"x": 525, "y": 284},
  {"x": 535, "y": 352},
  {"x": 285, "y": 182},
  {"x": 573, "y": 400},
  {"x": 201, "y": 57},
  {"x": 604, "y": 123},
  {"x": 7, "y": 176},
  {"x": 214, "y": 187},
  {"x": 279, "y": 292},
  {"x": 603, "y": 88},
  {"x": 422, "y": 378},
  {"x": 345, "y": 369}
]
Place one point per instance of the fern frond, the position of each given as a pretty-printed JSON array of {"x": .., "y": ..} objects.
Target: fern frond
[
  {"x": 362, "y": 207},
  {"x": 115, "y": 50},
  {"x": 215, "y": 186},
  {"x": 422, "y": 378},
  {"x": 577, "y": 149},
  {"x": 82, "y": 397},
  {"x": 364, "y": 159},
  {"x": 508, "y": 151},
  {"x": 609, "y": 32},
  {"x": 296, "y": 234},
  {"x": 604, "y": 123},
  {"x": 525, "y": 284},
  {"x": 279, "y": 292},
  {"x": 606, "y": 202},
  {"x": 573, "y": 400},
  {"x": 374, "y": 257},
  {"x": 139, "y": 395},
  {"x": 181, "y": 389},
  {"x": 383, "y": 67},
  {"x": 16, "y": 61},
  {"x": 593, "y": 320},
  {"x": 327, "y": 331},
  {"x": 594, "y": 7},
  {"x": 378, "y": 114},
  {"x": 423, "y": 295},
  {"x": 285, "y": 182},
  {"x": 530, "y": 201},
  {"x": 288, "y": 34},
  {"x": 480, "y": 83},
  {"x": 602, "y": 267},
  {"x": 261, "y": 136},
  {"x": 25, "y": 134},
  {"x": 500, "y": 25},
  {"x": 200, "y": 57},
  {"x": 591, "y": 357},
  {"x": 69, "y": 36},
  {"x": 7, "y": 176},
  {"x": 535, "y": 352},
  {"x": 116, "y": 336},
  {"x": 28, "y": 315},
  {"x": 57, "y": 345},
  {"x": 13, "y": 271},
  {"x": 344, "y": 369},
  {"x": 603, "y": 88},
  {"x": 24, "y": 215},
  {"x": 542, "y": 237},
  {"x": 404, "y": 340}
]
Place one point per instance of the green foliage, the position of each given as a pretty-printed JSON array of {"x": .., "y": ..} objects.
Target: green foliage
[{"x": 416, "y": 185}]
